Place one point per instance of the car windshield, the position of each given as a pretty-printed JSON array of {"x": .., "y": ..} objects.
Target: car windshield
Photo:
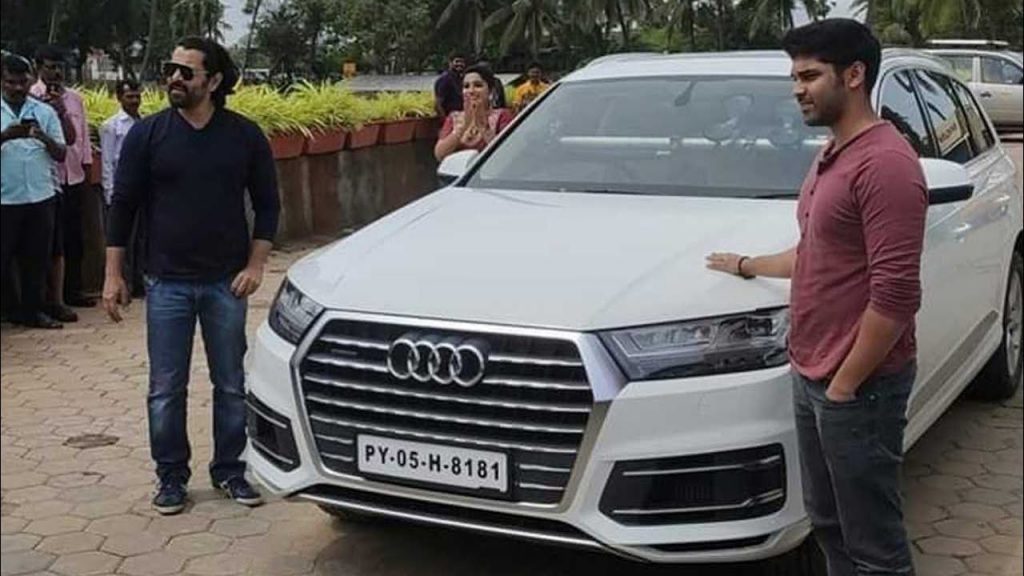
[{"x": 727, "y": 137}]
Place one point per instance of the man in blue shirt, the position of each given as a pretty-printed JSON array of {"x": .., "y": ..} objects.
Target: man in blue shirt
[{"x": 31, "y": 143}]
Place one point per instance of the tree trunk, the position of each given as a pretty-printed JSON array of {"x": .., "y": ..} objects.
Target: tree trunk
[
  {"x": 252, "y": 32},
  {"x": 721, "y": 25},
  {"x": 621, "y": 17},
  {"x": 202, "y": 24},
  {"x": 154, "y": 11},
  {"x": 51, "y": 38},
  {"x": 693, "y": 25},
  {"x": 313, "y": 45}
]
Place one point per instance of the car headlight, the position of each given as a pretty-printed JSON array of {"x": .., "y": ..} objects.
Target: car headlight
[
  {"x": 293, "y": 313},
  {"x": 737, "y": 343}
]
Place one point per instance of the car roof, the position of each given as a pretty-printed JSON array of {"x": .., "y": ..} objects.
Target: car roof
[
  {"x": 969, "y": 43},
  {"x": 748, "y": 63},
  {"x": 974, "y": 52}
]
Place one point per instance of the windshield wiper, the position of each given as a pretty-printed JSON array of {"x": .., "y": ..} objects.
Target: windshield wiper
[
  {"x": 602, "y": 191},
  {"x": 779, "y": 196}
]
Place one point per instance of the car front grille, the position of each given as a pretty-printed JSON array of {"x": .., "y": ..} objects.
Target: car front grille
[{"x": 533, "y": 403}]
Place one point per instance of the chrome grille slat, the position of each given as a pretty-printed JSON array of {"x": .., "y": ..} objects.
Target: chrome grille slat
[
  {"x": 266, "y": 451},
  {"x": 770, "y": 461},
  {"x": 535, "y": 384},
  {"x": 765, "y": 498},
  {"x": 444, "y": 437},
  {"x": 350, "y": 385},
  {"x": 539, "y": 468},
  {"x": 378, "y": 367},
  {"x": 335, "y": 439},
  {"x": 441, "y": 417},
  {"x": 356, "y": 342},
  {"x": 534, "y": 360},
  {"x": 541, "y": 487},
  {"x": 531, "y": 401},
  {"x": 345, "y": 459},
  {"x": 263, "y": 414}
]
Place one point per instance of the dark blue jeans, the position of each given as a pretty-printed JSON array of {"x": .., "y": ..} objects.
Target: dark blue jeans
[
  {"x": 851, "y": 457},
  {"x": 172, "y": 309}
]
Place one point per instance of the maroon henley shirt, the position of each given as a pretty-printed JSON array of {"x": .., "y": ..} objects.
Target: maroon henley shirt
[{"x": 862, "y": 217}]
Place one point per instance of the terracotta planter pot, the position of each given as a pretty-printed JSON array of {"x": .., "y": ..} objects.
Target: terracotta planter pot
[
  {"x": 365, "y": 137},
  {"x": 399, "y": 131},
  {"x": 96, "y": 169},
  {"x": 287, "y": 145},
  {"x": 427, "y": 128},
  {"x": 326, "y": 142}
]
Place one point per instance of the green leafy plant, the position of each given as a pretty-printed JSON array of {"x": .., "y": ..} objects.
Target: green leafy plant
[
  {"x": 271, "y": 111},
  {"x": 326, "y": 106},
  {"x": 153, "y": 101},
  {"x": 302, "y": 108},
  {"x": 100, "y": 105}
]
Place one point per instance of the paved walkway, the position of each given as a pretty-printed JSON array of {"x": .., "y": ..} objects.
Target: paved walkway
[{"x": 76, "y": 481}]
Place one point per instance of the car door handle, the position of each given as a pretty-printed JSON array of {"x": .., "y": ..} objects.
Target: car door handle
[
  {"x": 961, "y": 231},
  {"x": 985, "y": 94},
  {"x": 1003, "y": 202}
]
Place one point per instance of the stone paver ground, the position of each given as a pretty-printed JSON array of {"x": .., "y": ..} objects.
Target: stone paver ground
[{"x": 81, "y": 507}]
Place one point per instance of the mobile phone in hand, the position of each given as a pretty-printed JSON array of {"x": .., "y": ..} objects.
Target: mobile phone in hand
[{"x": 31, "y": 126}]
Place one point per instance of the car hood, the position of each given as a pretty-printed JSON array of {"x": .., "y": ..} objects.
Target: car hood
[{"x": 554, "y": 260}]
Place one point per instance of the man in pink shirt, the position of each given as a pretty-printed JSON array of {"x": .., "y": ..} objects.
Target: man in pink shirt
[
  {"x": 855, "y": 293},
  {"x": 65, "y": 283}
]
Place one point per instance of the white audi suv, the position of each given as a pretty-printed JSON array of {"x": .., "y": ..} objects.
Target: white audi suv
[{"x": 536, "y": 349}]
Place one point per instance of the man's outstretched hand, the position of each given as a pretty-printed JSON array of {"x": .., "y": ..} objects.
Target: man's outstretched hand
[
  {"x": 724, "y": 262},
  {"x": 116, "y": 296}
]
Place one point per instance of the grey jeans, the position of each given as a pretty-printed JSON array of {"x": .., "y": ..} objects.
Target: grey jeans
[{"x": 851, "y": 457}]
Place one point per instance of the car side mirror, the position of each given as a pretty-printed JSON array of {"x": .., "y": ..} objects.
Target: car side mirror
[
  {"x": 455, "y": 165},
  {"x": 948, "y": 182}
]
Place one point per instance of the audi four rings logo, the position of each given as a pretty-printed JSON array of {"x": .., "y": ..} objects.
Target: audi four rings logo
[{"x": 433, "y": 358}]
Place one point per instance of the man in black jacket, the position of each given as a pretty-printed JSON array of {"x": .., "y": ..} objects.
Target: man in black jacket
[{"x": 187, "y": 170}]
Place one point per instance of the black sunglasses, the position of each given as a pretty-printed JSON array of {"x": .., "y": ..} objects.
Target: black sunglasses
[{"x": 187, "y": 72}]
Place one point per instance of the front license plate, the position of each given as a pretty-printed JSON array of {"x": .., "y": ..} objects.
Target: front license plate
[{"x": 433, "y": 463}]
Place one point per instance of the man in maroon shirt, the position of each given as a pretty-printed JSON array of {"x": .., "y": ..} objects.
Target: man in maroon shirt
[{"x": 855, "y": 292}]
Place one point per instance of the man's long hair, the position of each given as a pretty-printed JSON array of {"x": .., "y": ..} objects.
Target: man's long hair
[{"x": 216, "y": 60}]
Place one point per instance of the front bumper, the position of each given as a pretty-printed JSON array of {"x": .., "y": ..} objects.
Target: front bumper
[{"x": 641, "y": 421}]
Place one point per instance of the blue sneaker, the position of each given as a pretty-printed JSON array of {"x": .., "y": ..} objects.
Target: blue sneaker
[
  {"x": 171, "y": 497},
  {"x": 239, "y": 490}
]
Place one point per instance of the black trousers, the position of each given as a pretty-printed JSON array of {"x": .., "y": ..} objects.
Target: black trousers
[
  {"x": 69, "y": 239},
  {"x": 26, "y": 237}
]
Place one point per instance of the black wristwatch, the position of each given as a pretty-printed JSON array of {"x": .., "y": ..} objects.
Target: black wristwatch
[{"x": 739, "y": 269}]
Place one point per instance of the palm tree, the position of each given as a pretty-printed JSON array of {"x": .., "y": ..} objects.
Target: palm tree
[
  {"x": 198, "y": 18},
  {"x": 769, "y": 13},
  {"x": 939, "y": 15},
  {"x": 253, "y": 7},
  {"x": 721, "y": 10},
  {"x": 683, "y": 13},
  {"x": 154, "y": 16},
  {"x": 465, "y": 17},
  {"x": 51, "y": 38},
  {"x": 621, "y": 13},
  {"x": 524, "y": 20},
  {"x": 920, "y": 19}
]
